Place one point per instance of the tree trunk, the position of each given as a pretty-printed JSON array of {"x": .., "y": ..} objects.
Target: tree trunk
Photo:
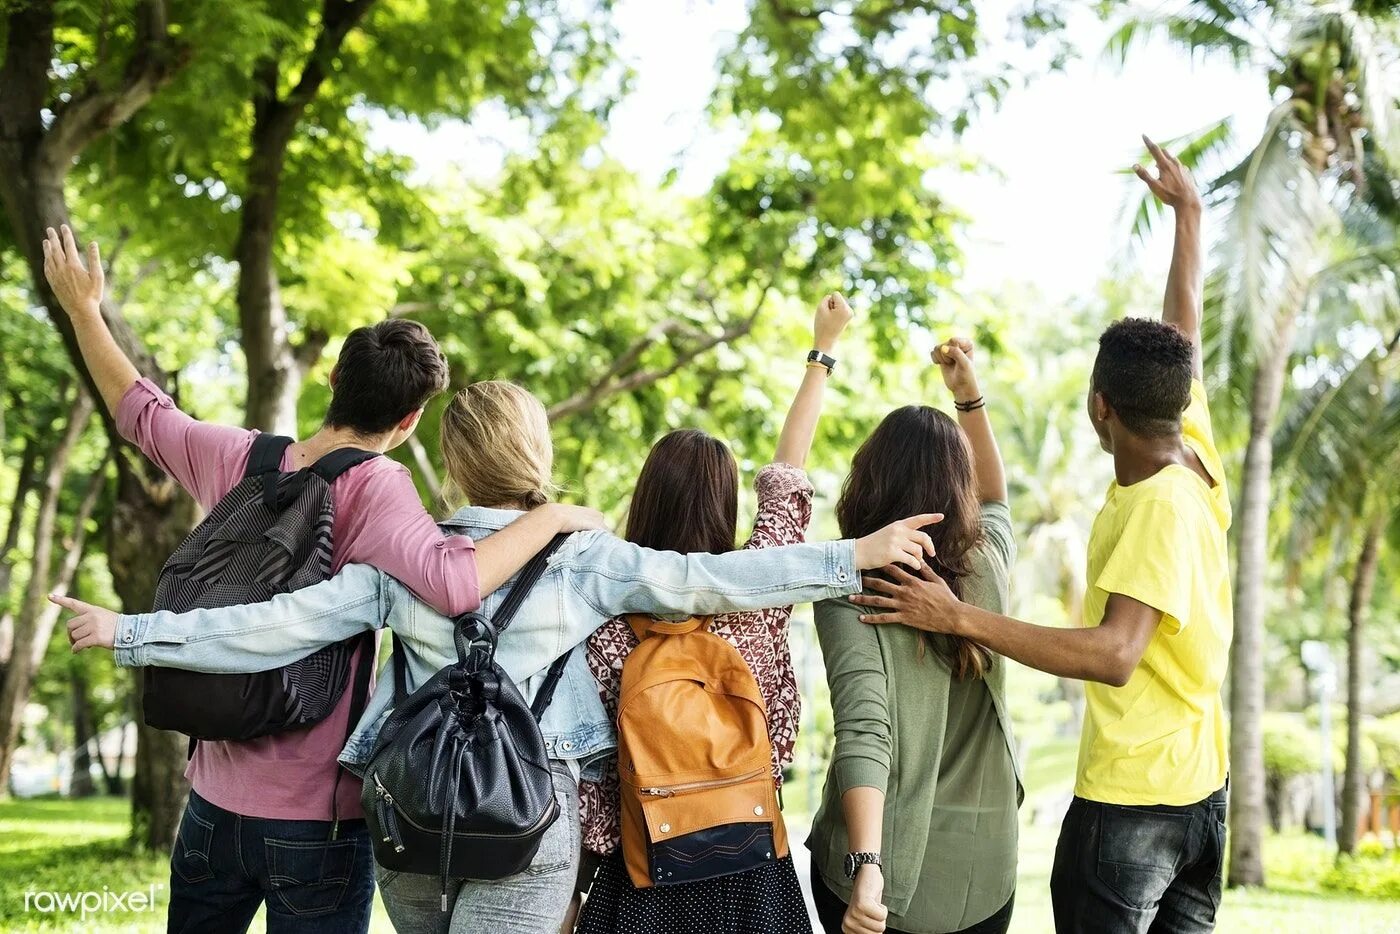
[
  {"x": 1248, "y": 805},
  {"x": 81, "y": 786},
  {"x": 18, "y": 675},
  {"x": 28, "y": 468},
  {"x": 147, "y": 525},
  {"x": 275, "y": 366},
  {"x": 36, "y": 153},
  {"x": 1362, "y": 586}
]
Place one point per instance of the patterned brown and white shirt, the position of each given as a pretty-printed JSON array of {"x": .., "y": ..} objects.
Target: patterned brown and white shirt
[{"x": 761, "y": 636}]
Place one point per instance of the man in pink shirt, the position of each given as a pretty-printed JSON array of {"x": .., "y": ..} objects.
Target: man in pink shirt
[{"x": 267, "y": 819}]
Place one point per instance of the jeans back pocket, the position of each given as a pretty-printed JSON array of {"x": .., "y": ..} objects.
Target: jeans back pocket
[
  {"x": 190, "y": 858},
  {"x": 310, "y": 876},
  {"x": 1140, "y": 852}
]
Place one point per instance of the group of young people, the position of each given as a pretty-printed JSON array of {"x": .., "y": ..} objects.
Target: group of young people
[{"x": 917, "y": 829}]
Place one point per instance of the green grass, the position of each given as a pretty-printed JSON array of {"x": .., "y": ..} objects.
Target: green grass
[{"x": 58, "y": 845}]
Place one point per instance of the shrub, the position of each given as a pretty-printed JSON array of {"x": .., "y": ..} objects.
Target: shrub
[
  {"x": 1367, "y": 873},
  {"x": 1290, "y": 747}
]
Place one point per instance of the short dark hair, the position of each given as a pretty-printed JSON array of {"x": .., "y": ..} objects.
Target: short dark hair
[
  {"x": 687, "y": 496},
  {"x": 1143, "y": 371},
  {"x": 385, "y": 371}
]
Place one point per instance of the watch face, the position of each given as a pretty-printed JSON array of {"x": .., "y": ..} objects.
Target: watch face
[{"x": 850, "y": 865}]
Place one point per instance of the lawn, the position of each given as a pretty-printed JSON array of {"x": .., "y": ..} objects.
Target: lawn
[{"x": 53, "y": 845}]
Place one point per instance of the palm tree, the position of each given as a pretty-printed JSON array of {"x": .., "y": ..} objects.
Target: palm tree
[
  {"x": 1339, "y": 450},
  {"x": 1330, "y": 124}
]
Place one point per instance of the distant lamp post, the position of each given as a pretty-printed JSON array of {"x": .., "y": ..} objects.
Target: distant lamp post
[{"x": 1317, "y": 659}]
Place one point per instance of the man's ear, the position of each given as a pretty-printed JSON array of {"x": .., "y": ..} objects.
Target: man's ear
[
  {"x": 410, "y": 421},
  {"x": 1102, "y": 410},
  {"x": 335, "y": 374}
]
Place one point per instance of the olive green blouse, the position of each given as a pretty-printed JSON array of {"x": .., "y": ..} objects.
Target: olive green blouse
[{"x": 940, "y": 749}]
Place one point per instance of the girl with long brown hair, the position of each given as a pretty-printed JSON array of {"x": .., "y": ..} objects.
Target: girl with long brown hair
[
  {"x": 686, "y": 499},
  {"x": 917, "y": 826}
]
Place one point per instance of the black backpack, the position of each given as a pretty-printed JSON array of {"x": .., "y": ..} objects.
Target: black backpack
[
  {"x": 458, "y": 784},
  {"x": 270, "y": 534}
]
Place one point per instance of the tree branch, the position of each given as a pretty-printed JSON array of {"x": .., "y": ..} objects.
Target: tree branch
[
  {"x": 426, "y": 468},
  {"x": 95, "y": 109},
  {"x": 613, "y": 382}
]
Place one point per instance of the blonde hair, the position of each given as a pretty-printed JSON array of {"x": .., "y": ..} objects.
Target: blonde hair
[{"x": 496, "y": 444}]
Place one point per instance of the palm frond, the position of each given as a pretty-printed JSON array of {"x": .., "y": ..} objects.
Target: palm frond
[
  {"x": 1199, "y": 151},
  {"x": 1270, "y": 250},
  {"x": 1210, "y": 28}
]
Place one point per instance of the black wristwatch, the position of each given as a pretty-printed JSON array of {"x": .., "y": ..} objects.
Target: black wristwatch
[
  {"x": 856, "y": 860},
  {"x": 817, "y": 356}
]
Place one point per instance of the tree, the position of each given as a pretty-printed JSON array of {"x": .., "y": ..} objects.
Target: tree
[
  {"x": 1335, "y": 123},
  {"x": 1339, "y": 447},
  {"x": 30, "y": 637}
]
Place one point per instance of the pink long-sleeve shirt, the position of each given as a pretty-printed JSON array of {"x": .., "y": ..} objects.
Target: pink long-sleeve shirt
[{"x": 379, "y": 520}]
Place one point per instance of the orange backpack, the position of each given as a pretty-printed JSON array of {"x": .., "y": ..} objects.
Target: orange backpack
[{"x": 698, "y": 797}]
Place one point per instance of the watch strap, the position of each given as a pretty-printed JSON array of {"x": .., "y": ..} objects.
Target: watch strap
[
  {"x": 816, "y": 356},
  {"x": 856, "y": 860}
]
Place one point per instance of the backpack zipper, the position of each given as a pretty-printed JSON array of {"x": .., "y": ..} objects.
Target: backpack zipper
[
  {"x": 387, "y": 817},
  {"x": 670, "y": 791}
]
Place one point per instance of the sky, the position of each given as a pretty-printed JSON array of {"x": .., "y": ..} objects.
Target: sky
[{"x": 1047, "y": 211}]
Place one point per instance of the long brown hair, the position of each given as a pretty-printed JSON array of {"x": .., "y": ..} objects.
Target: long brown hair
[
  {"x": 687, "y": 496},
  {"x": 916, "y": 461}
]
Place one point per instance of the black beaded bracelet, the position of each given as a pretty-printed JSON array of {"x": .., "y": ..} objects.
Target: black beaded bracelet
[{"x": 979, "y": 402}]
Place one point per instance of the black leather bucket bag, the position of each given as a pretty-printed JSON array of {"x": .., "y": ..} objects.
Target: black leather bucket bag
[{"x": 459, "y": 784}]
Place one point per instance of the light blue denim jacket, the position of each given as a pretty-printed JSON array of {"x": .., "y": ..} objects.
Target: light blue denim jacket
[{"x": 591, "y": 578}]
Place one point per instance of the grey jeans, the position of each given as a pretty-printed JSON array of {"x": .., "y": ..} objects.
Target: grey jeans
[{"x": 530, "y": 902}]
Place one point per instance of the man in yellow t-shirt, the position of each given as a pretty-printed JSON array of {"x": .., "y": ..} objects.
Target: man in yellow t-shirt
[{"x": 1142, "y": 846}]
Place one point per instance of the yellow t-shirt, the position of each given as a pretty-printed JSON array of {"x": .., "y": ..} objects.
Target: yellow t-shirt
[{"x": 1160, "y": 739}]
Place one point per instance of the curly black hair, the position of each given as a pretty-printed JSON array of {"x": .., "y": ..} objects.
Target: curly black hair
[{"x": 1143, "y": 371}]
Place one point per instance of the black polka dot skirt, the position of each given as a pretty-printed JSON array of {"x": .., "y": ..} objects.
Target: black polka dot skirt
[{"x": 766, "y": 900}]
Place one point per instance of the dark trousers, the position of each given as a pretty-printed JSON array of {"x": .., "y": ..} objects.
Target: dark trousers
[
  {"x": 1134, "y": 870},
  {"x": 224, "y": 866},
  {"x": 831, "y": 911}
]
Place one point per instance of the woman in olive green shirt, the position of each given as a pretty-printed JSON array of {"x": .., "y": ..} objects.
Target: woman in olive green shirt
[{"x": 917, "y": 828}]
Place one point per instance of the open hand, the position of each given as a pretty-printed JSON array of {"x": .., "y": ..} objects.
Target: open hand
[
  {"x": 902, "y": 542},
  {"x": 922, "y": 601},
  {"x": 576, "y": 518},
  {"x": 866, "y": 913},
  {"x": 833, "y": 314},
  {"x": 77, "y": 287},
  {"x": 1173, "y": 184},
  {"x": 954, "y": 359},
  {"x": 93, "y": 627}
]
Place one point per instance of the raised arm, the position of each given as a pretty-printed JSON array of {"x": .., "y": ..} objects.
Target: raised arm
[
  {"x": 954, "y": 358},
  {"x": 78, "y": 288},
  {"x": 795, "y": 442},
  {"x": 1175, "y": 188}
]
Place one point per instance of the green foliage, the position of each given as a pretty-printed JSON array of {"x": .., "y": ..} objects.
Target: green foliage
[
  {"x": 1290, "y": 746},
  {"x": 1370, "y": 873}
]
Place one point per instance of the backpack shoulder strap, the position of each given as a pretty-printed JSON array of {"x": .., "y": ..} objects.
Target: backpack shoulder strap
[
  {"x": 266, "y": 454},
  {"x": 521, "y": 588},
  {"x": 359, "y": 692},
  {"x": 337, "y": 462},
  {"x": 551, "y": 681},
  {"x": 400, "y": 663},
  {"x": 265, "y": 460}
]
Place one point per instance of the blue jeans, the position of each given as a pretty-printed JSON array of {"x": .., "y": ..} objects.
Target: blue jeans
[
  {"x": 225, "y": 865},
  {"x": 1139, "y": 870}
]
